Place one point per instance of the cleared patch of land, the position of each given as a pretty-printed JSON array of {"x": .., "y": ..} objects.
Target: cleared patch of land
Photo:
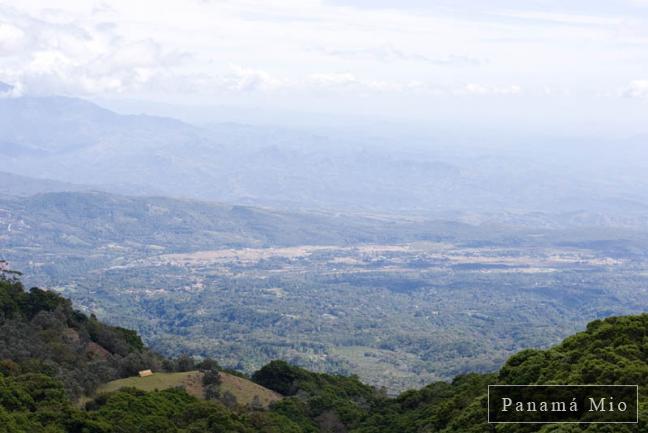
[
  {"x": 191, "y": 381},
  {"x": 245, "y": 391},
  {"x": 486, "y": 259}
]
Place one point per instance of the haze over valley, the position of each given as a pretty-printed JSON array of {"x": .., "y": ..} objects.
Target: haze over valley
[
  {"x": 400, "y": 300},
  {"x": 399, "y": 170}
]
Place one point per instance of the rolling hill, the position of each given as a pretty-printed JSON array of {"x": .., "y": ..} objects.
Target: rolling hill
[
  {"x": 95, "y": 220},
  {"x": 244, "y": 391},
  {"x": 16, "y": 185}
]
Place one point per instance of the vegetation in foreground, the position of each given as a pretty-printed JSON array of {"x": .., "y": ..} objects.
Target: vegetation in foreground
[{"x": 40, "y": 380}]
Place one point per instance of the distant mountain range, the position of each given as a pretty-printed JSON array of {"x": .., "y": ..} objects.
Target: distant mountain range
[
  {"x": 57, "y": 216},
  {"x": 16, "y": 185},
  {"x": 84, "y": 220},
  {"x": 74, "y": 141}
]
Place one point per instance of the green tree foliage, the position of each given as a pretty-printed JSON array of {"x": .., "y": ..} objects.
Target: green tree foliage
[
  {"x": 49, "y": 353},
  {"x": 318, "y": 401},
  {"x": 41, "y": 333},
  {"x": 610, "y": 351},
  {"x": 208, "y": 364}
]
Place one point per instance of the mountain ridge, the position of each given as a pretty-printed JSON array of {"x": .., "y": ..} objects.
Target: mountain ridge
[{"x": 75, "y": 141}]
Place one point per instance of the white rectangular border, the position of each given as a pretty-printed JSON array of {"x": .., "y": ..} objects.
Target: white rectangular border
[{"x": 557, "y": 422}]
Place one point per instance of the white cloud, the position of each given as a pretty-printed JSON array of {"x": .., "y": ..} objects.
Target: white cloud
[
  {"x": 57, "y": 53},
  {"x": 11, "y": 38},
  {"x": 335, "y": 79},
  {"x": 480, "y": 89},
  {"x": 563, "y": 18},
  {"x": 637, "y": 89},
  {"x": 80, "y": 48},
  {"x": 388, "y": 54},
  {"x": 349, "y": 82},
  {"x": 310, "y": 52},
  {"x": 249, "y": 80}
]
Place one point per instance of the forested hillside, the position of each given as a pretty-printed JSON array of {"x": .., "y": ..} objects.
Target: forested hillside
[
  {"x": 40, "y": 333},
  {"x": 51, "y": 354}
]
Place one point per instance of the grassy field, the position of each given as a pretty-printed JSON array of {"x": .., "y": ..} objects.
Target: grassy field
[
  {"x": 244, "y": 390},
  {"x": 191, "y": 381}
]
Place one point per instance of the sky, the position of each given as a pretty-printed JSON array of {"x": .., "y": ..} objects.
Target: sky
[{"x": 568, "y": 66}]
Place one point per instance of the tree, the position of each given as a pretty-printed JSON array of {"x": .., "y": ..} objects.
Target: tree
[{"x": 185, "y": 363}]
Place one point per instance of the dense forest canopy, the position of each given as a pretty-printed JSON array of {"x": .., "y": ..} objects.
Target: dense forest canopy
[
  {"x": 50, "y": 355},
  {"x": 41, "y": 333}
]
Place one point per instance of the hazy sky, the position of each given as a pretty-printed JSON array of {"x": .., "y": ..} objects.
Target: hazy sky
[{"x": 564, "y": 64}]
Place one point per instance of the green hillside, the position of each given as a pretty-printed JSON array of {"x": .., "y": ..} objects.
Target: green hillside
[
  {"x": 191, "y": 381},
  {"x": 40, "y": 376},
  {"x": 245, "y": 392},
  {"x": 610, "y": 351},
  {"x": 41, "y": 333}
]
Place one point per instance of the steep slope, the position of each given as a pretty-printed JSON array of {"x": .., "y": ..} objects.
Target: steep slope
[
  {"x": 50, "y": 354},
  {"x": 40, "y": 332},
  {"x": 610, "y": 351}
]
